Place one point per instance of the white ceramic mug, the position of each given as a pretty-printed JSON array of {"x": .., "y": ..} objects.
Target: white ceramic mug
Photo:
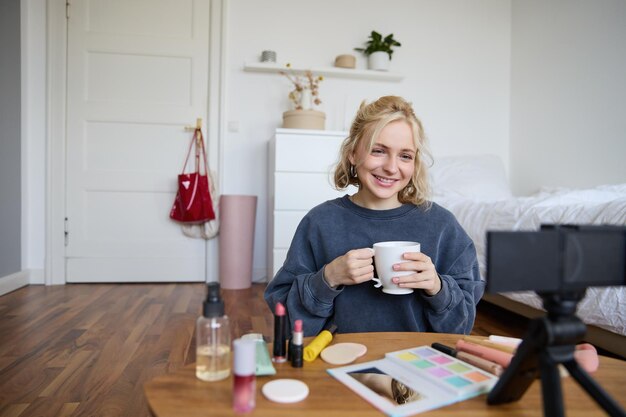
[{"x": 386, "y": 255}]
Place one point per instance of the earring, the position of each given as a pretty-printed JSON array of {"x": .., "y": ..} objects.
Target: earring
[{"x": 353, "y": 171}]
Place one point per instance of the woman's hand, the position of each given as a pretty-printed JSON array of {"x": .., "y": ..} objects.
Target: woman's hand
[
  {"x": 352, "y": 268},
  {"x": 425, "y": 276}
]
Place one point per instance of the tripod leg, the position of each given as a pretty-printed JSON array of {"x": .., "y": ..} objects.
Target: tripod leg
[
  {"x": 551, "y": 387},
  {"x": 591, "y": 386},
  {"x": 523, "y": 369}
]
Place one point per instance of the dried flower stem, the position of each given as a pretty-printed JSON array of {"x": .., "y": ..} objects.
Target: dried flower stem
[{"x": 310, "y": 81}]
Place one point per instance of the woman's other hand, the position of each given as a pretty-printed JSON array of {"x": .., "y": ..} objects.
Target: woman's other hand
[
  {"x": 354, "y": 267},
  {"x": 425, "y": 276}
]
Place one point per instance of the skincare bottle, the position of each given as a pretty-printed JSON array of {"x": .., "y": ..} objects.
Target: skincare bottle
[
  {"x": 244, "y": 378},
  {"x": 213, "y": 338}
]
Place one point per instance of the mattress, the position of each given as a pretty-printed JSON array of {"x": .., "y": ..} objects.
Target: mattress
[{"x": 602, "y": 306}]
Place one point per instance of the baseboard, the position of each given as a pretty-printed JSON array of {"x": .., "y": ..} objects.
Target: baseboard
[
  {"x": 14, "y": 281},
  {"x": 36, "y": 276},
  {"x": 259, "y": 275}
]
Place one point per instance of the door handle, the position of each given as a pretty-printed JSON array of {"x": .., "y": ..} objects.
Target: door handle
[{"x": 197, "y": 126}]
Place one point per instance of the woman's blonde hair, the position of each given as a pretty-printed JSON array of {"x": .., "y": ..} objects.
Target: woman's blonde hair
[{"x": 367, "y": 125}]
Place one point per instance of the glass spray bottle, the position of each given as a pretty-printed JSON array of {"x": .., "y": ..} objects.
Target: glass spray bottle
[{"x": 213, "y": 338}]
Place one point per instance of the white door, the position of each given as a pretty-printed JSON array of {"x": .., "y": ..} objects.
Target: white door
[{"x": 137, "y": 74}]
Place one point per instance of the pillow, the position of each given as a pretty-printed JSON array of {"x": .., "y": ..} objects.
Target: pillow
[{"x": 475, "y": 177}]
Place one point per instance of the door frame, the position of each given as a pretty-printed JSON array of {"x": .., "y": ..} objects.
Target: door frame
[{"x": 56, "y": 105}]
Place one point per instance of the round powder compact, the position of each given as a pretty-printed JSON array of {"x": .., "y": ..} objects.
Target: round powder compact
[
  {"x": 285, "y": 390},
  {"x": 343, "y": 353}
]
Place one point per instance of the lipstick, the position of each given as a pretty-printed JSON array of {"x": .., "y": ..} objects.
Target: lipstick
[
  {"x": 296, "y": 345},
  {"x": 280, "y": 334}
]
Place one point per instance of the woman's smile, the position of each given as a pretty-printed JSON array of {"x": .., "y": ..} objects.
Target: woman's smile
[{"x": 385, "y": 181}]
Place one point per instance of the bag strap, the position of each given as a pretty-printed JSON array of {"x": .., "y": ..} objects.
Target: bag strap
[
  {"x": 206, "y": 164},
  {"x": 198, "y": 140},
  {"x": 200, "y": 150},
  {"x": 193, "y": 139}
]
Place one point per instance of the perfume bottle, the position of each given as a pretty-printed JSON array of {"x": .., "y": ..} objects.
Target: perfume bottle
[{"x": 213, "y": 338}]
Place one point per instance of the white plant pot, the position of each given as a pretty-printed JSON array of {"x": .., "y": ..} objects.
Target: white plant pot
[{"x": 378, "y": 61}]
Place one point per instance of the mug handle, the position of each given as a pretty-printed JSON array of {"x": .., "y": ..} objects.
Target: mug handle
[{"x": 377, "y": 280}]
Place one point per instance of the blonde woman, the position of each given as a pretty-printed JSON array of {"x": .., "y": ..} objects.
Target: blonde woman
[{"x": 326, "y": 277}]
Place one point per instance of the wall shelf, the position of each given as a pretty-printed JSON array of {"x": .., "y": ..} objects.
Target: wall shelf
[{"x": 325, "y": 71}]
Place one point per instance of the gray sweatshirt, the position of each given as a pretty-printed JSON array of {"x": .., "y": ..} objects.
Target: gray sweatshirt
[{"x": 337, "y": 226}]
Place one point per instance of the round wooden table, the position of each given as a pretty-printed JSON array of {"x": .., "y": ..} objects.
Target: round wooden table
[{"x": 181, "y": 394}]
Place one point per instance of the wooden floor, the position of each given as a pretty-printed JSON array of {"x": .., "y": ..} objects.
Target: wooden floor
[{"x": 87, "y": 349}]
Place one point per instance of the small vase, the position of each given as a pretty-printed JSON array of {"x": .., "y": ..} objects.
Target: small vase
[
  {"x": 306, "y": 99},
  {"x": 378, "y": 61}
]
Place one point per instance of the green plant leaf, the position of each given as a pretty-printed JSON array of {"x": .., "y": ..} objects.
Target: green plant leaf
[{"x": 376, "y": 43}]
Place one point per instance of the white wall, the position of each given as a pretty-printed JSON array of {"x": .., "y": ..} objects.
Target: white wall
[
  {"x": 568, "y": 93},
  {"x": 25, "y": 252},
  {"x": 33, "y": 137},
  {"x": 455, "y": 58},
  {"x": 10, "y": 141}
]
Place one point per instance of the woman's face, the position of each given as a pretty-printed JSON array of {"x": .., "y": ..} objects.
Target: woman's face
[{"x": 385, "y": 170}]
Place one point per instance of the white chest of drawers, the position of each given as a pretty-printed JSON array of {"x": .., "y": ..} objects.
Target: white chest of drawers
[{"x": 301, "y": 163}]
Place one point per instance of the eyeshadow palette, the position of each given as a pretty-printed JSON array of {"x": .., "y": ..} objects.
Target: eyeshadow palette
[
  {"x": 411, "y": 381},
  {"x": 446, "y": 371}
]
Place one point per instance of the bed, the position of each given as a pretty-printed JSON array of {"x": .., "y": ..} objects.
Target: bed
[{"x": 475, "y": 189}]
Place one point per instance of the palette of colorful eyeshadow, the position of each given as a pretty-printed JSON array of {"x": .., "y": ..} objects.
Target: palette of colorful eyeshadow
[{"x": 445, "y": 371}]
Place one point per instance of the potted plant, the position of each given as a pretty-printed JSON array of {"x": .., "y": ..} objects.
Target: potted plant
[{"x": 379, "y": 50}]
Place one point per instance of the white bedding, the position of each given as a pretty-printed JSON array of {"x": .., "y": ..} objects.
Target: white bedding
[{"x": 603, "y": 307}]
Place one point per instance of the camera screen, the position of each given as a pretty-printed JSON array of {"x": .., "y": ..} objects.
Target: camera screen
[
  {"x": 593, "y": 258},
  {"x": 556, "y": 258}
]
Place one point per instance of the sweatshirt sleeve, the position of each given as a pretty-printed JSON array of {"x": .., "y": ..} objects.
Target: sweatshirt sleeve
[
  {"x": 453, "y": 309},
  {"x": 300, "y": 286}
]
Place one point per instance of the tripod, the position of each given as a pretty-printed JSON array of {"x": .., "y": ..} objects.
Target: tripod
[{"x": 550, "y": 341}]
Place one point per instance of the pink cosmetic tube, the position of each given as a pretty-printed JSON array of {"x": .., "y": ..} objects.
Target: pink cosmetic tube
[
  {"x": 244, "y": 378},
  {"x": 501, "y": 358}
]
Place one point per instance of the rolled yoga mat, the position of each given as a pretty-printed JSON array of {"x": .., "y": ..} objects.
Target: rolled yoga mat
[{"x": 236, "y": 240}]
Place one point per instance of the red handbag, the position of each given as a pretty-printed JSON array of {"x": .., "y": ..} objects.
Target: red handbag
[{"x": 193, "y": 203}]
